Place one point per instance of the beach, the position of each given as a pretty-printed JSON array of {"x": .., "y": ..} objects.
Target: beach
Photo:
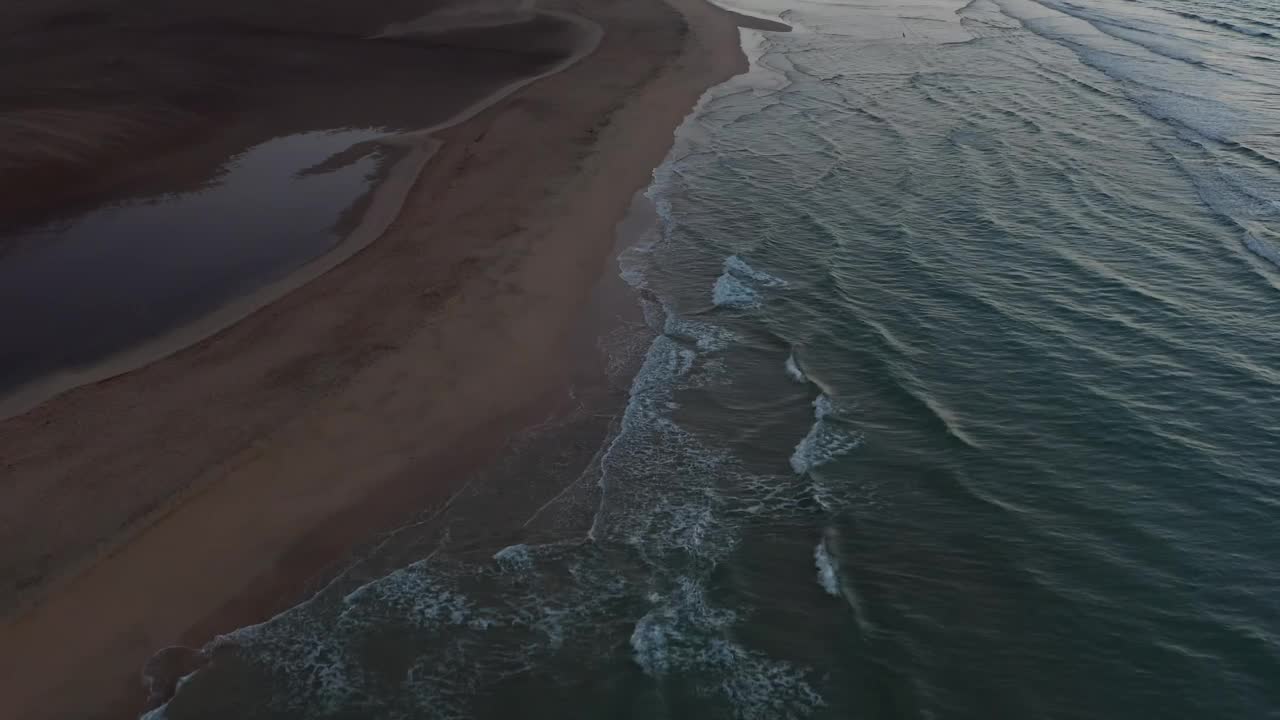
[
  {"x": 218, "y": 483},
  {"x": 639, "y": 359}
]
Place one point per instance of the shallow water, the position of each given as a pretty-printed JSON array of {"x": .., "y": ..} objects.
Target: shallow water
[
  {"x": 962, "y": 403},
  {"x": 74, "y": 292}
]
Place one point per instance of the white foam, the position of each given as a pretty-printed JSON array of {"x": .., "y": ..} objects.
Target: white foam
[
  {"x": 514, "y": 558},
  {"x": 758, "y": 687},
  {"x": 655, "y": 316},
  {"x": 685, "y": 633},
  {"x": 423, "y": 597},
  {"x": 649, "y": 646},
  {"x": 793, "y": 369},
  {"x": 826, "y": 570},
  {"x": 737, "y": 286},
  {"x": 623, "y": 348},
  {"x": 729, "y": 291},
  {"x": 1261, "y": 248},
  {"x": 823, "y": 408},
  {"x": 668, "y": 636},
  {"x": 655, "y": 477},
  {"x": 825, "y": 440},
  {"x": 707, "y": 337},
  {"x": 819, "y": 491},
  {"x": 633, "y": 263},
  {"x": 740, "y": 267}
]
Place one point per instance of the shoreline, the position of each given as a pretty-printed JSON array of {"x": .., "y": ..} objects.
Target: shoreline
[
  {"x": 545, "y": 457},
  {"x": 254, "y": 527}
]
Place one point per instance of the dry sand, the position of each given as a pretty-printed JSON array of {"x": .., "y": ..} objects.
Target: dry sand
[{"x": 206, "y": 491}]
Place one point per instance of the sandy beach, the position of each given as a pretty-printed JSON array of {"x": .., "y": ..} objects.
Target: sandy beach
[{"x": 214, "y": 486}]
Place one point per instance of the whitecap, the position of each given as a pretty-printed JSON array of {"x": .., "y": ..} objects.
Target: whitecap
[
  {"x": 514, "y": 558},
  {"x": 671, "y": 634},
  {"x": 684, "y": 632},
  {"x": 826, "y": 570},
  {"x": 793, "y": 369},
  {"x": 825, "y": 440},
  {"x": 420, "y": 597},
  {"x": 729, "y": 291},
  {"x": 707, "y": 337},
  {"x": 740, "y": 267},
  {"x": 655, "y": 315},
  {"x": 1262, "y": 248},
  {"x": 758, "y": 687},
  {"x": 738, "y": 282}
]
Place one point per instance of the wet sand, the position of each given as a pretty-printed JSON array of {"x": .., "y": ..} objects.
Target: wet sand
[{"x": 211, "y": 488}]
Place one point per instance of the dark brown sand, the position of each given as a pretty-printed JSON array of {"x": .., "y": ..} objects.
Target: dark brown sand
[{"x": 212, "y": 488}]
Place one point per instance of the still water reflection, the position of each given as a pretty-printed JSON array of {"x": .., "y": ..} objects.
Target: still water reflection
[{"x": 74, "y": 292}]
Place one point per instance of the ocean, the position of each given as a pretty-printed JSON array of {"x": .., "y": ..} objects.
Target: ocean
[{"x": 957, "y": 396}]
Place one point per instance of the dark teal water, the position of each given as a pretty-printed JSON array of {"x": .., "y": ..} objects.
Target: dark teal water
[{"x": 963, "y": 403}]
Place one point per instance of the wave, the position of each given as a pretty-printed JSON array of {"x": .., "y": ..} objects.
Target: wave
[
  {"x": 1238, "y": 196},
  {"x": 685, "y": 635},
  {"x": 731, "y": 292},
  {"x": 707, "y": 337},
  {"x": 1167, "y": 93},
  {"x": 737, "y": 265},
  {"x": 827, "y": 577},
  {"x": 825, "y": 441},
  {"x": 1231, "y": 177},
  {"x": 514, "y": 557},
  {"x": 1224, "y": 24},
  {"x": 661, "y": 500},
  {"x": 793, "y": 369},
  {"x": 1263, "y": 249},
  {"x": 659, "y": 640},
  {"x": 738, "y": 286}
]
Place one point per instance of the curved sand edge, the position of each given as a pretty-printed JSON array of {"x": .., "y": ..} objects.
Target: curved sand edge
[{"x": 387, "y": 200}]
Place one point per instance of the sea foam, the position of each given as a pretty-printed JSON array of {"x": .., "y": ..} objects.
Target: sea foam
[
  {"x": 793, "y": 369},
  {"x": 1262, "y": 248},
  {"x": 738, "y": 285},
  {"x": 684, "y": 633},
  {"x": 737, "y": 265},
  {"x": 729, "y": 291},
  {"x": 826, "y": 569},
  {"x": 825, "y": 441}
]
